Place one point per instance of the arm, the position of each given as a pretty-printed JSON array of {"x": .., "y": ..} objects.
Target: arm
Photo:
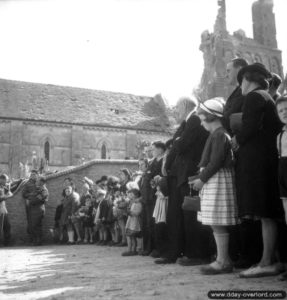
[
  {"x": 252, "y": 117},
  {"x": 25, "y": 192},
  {"x": 217, "y": 158}
]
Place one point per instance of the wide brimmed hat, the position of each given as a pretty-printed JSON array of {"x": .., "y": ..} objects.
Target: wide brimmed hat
[
  {"x": 256, "y": 67},
  {"x": 213, "y": 107}
]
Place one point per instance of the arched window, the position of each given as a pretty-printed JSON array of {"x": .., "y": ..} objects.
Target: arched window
[
  {"x": 47, "y": 151},
  {"x": 104, "y": 152}
]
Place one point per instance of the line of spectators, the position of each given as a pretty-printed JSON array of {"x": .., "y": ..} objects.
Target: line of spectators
[{"x": 226, "y": 155}]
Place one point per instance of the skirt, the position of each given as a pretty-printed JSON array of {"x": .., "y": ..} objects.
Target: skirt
[{"x": 218, "y": 200}]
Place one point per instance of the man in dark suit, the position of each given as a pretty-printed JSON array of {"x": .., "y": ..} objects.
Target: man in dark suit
[
  {"x": 182, "y": 162},
  {"x": 234, "y": 102}
]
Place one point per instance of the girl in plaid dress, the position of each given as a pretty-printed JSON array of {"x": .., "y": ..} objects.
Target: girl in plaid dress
[{"x": 216, "y": 183}]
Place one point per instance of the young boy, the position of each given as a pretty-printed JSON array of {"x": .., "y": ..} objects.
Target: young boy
[
  {"x": 100, "y": 217},
  {"x": 5, "y": 193},
  {"x": 281, "y": 105}
]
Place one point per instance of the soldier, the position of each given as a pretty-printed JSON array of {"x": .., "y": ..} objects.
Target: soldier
[
  {"x": 36, "y": 207},
  {"x": 28, "y": 193}
]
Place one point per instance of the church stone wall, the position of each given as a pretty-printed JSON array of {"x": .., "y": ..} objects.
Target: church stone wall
[{"x": 69, "y": 144}]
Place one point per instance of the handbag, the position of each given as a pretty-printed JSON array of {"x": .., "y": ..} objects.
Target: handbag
[{"x": 191, "y": 203}]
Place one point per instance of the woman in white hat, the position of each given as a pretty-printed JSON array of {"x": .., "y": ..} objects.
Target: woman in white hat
[{"x": 216, "y": 182}]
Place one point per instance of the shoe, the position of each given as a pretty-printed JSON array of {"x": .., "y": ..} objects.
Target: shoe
[
  {"x": 216, "y": 268},
  {"x": 91, "y": 242},
  {"x": 70, "y": 243},
  {"x": 261, "y": 271},
  {"x": 129, "y": 253},
  {"x": 140, "y": 252},
  {"x": 155, "y": 254},
  {"x": 164, "y": 261},
  {"x": 79, "y": 242},
  {"x": 186, "y": 261},
  {"x": 146, "y": 253},
  {"x": 85, "y": 242},
  {"x": 122, "y": 244}
]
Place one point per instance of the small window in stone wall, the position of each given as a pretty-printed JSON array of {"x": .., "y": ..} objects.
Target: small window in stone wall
[
  {"x": 47, "y": 151},
  {"x": 104, "y": 152}
]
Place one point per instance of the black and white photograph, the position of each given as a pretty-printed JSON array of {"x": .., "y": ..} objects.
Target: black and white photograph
[{"x": 143, "y": 149}]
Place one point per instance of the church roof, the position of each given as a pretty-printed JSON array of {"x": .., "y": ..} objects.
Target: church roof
[{"x": 46, "y": 102}]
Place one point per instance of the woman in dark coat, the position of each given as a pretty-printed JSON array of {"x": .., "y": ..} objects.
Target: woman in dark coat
[{"x": 256, "y": 171}]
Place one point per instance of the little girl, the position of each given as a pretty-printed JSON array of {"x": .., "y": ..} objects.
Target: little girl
[
  {"x": 120, "y": 213},
  {"x": 216, "y": 182},
  {"x": 159, "y": 215},
  {"x": 133, "y": 225}
]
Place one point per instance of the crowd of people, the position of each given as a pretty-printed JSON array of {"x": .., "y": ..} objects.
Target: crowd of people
[{"x": 230, "y": 156}]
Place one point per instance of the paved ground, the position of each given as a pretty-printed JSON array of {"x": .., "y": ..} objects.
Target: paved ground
[{"x": 97, "y": 272}]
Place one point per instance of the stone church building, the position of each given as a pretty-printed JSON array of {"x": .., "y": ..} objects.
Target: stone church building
[
  {"x": 67, "y": 126},
  {"x": 219, "y": 47}
]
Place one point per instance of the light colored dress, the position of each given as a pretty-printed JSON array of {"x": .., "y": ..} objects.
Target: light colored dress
[
  {"x": 133, "y": 225},
  {"x": 160, "y": 209}
]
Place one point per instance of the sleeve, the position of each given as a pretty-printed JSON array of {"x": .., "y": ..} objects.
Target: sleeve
[
  {"x": 252, "y": 117},
  {"x": 217, "y": 157},
  {"x": 172, "y": 153},
  {"x": 189, "y": 136}
]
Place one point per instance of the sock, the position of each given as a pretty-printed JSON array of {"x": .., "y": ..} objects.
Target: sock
[
  {"x": 71, "y": 236},
  {"x": 222, "y": 244}
]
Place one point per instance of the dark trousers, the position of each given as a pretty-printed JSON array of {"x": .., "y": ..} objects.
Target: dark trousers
[
  {"x": 175, "y": 221},
  {"x": 36, "y": 215},
  {"x": 160, "y": 237},
  {"x": 148, "y": 227},
  {"x": 198, "y": 239},
  {"x": 5, "y": 229}
]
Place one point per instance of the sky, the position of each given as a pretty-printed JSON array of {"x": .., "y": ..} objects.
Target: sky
[{"x": 142, "y": 47}]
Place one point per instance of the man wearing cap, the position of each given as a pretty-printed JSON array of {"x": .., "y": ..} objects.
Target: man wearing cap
[
  {"x": 28, "y": 193},
  {"x": 181, "y": 162}
]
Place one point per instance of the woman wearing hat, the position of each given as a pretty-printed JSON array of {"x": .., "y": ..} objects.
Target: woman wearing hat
[
  {"x": 256, "y": 168},
  {"x": 216, "y": 182}
]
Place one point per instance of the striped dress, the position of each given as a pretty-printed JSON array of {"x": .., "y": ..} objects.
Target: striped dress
[{"x": 218, "y": 200}]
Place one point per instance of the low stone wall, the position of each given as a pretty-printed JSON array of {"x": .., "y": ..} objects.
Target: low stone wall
[{"x": 93, "y": 169}]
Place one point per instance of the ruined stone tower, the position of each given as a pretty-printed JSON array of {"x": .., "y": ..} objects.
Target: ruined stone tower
[
  {"x": 219, "y": 47},
  {"x": 264, "y": 28}
]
